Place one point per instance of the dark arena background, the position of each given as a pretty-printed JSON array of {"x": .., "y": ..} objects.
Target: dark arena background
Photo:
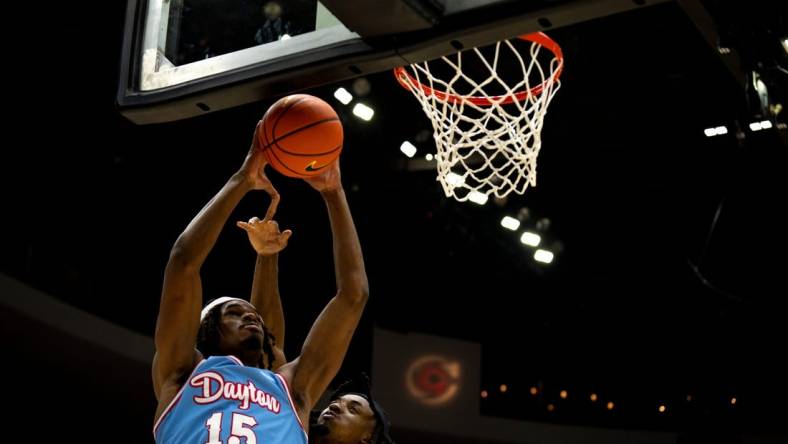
[{"x": 655, "y": 313}]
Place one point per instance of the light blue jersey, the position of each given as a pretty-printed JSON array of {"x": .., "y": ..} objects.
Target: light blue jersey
[{"x": 225, "y": 402}]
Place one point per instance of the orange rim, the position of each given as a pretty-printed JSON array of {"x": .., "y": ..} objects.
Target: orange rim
[{"x": 537, "y": 37}]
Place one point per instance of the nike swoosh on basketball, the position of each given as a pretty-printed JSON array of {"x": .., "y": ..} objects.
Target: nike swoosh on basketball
[{"x": 311, "y": 166}]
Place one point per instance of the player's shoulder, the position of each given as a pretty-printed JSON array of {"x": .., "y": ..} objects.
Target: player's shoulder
[{"x": 176, "y": 377}]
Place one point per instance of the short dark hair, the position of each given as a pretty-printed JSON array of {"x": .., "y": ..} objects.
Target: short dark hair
[{"x": 361, "y": 386}]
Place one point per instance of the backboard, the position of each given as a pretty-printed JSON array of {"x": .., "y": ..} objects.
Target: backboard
[{"x": 184, "y": 58}]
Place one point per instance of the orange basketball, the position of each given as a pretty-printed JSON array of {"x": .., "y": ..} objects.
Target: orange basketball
[{"x": 301, "y": 135}]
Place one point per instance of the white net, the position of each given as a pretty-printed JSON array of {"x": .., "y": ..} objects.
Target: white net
[{"x": 487, "y": 132}]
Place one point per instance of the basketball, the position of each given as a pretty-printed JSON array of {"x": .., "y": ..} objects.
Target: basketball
[{"x": 301, "y": 135}]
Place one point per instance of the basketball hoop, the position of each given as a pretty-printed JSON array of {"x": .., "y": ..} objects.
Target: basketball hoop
[{"x": 487, "y": 133}]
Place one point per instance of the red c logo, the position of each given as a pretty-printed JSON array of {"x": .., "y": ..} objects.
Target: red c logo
[{"x": 433, "y": 380}]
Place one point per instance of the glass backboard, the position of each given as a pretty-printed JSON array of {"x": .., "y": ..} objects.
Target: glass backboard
[{"x": 183, "y": 58}]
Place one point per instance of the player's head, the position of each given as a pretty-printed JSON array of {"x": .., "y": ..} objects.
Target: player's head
[
  {"x": 229, "y": 326},
  {"x": 352, "y": 417},
  {"x": 272, "y": 10}
]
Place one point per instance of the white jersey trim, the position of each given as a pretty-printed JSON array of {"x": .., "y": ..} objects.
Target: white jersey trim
[
  {"x": 292, "y": 405},
  {"x": 175, "y": 399}
]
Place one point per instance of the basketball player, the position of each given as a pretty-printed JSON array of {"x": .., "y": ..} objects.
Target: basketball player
[
  {"x": 352, "y": 416},
  {"x": 219, "y": 390}
]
